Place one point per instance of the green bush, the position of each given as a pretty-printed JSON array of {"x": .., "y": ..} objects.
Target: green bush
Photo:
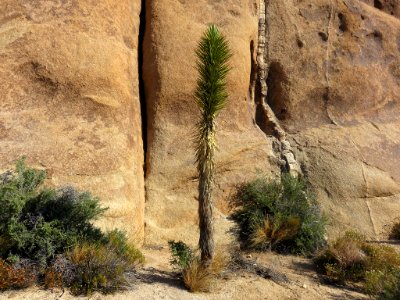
[
  {"x": 351, "y": 259},
  {"x": 38, "y": 223},
  {"x": 280, "y": 215},
  {"x": 43, "y": 225},
  {"x": 181, "y": 254}
]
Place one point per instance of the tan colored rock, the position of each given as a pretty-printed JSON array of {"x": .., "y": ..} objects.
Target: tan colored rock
[
  {"x": 70, "y": 100},
  {"x": 334, "y": 86},
  {"x": 391, "y": 7},
  {"x": 331, "y": 69},
  {"x": 329, "y": 72},
  {"x": 173, "y": 29}
]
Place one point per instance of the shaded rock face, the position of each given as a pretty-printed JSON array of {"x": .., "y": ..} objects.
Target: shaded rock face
[{"x": 70, "y": 101}]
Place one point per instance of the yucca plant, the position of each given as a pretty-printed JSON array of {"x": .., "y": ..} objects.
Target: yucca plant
[{"x": 211, "y": 97}]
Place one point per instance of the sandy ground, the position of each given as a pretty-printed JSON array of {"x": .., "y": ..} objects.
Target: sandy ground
[{"x": 156, "y": 280}]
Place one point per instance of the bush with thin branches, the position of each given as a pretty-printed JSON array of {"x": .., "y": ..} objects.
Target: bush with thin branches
[
  {"x": 281, "y": 215},
  {"x": 350, "y": 258},
  {"x": 48, "y": 228}
]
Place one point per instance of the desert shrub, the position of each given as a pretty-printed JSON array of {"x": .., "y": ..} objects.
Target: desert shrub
[
  {"x": 16, "y": 276},
  {"x": 38, "y": 223},
  {"x": 60, "y": 273},
  {"x": 384, "y": 285},
  {"x": 279, "y": 215},
  {"x": 91, "y": 267},
  {"x": 344, "y": 260},
  {"x": 395, "y": 233},
  {"x": 97, "y": 269},
  {"x": 351, "y": 259},
  {"x": 195, "y": 275},
  {"x": 117, "y": 241},
  {"x": 54, "y": 229}
]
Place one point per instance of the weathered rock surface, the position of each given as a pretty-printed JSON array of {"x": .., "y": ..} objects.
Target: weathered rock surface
[
  {"x": 69, "y": 98},
  {"x": 173, "y": 29},
  {"x": 334, "y": 84},
  {"x": 391, "y": 7}
]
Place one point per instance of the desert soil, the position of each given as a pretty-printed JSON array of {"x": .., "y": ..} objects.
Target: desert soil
[{"x": 156, "y": 280}]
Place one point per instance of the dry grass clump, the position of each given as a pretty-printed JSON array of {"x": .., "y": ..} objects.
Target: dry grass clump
[
  {"x": 92, "y": 267},
  {"x": 16, "y": 276},
  {"x": 196, "y": 276},
  {"x": 344, "y": 260},
  {"x": 274, "y": 231},
  {"x": 351, "y": 259}
]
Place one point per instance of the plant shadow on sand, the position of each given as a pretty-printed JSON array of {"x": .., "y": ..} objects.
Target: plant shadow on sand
[
  {"x": 307, "y": 268},
  {"x": 152, "y": 276}
]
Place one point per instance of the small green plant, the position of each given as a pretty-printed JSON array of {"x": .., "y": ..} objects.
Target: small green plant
[
  {"x": 351, "y": 259},
  {"x": 383, "y": 285},
  {"x": 117, "y": 241},
  {"x": 181, "y": 254},
  {"x": 279, "y": 215},
  {"x": 391, "y": 286}
]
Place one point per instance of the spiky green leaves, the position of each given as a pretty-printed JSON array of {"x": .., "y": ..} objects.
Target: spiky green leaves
[
  {"x": 211, "y": 95},
  {"x": 213, "y": 54}
]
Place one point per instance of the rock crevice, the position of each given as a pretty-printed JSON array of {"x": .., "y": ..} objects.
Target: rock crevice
[
  {"x": 142, "y": 93},
  {"x": 268, "y": 91}
]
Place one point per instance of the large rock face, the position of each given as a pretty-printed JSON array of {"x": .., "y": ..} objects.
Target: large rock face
[
  {"x": 173, "y": 29},
  {"x": 334, "y": 84},
  {"x": 320, "y": 77},
  {"x": 69, "y": 98},
  {"x": 332, "y": 71}
]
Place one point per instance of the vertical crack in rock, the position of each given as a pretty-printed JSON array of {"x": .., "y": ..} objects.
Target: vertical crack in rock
[
  {"x": 265, "y": 117},
  {"x": 142, "y": 96},
  {"x": 327, "y": 94},
  {"x": 253, "y": 72}
]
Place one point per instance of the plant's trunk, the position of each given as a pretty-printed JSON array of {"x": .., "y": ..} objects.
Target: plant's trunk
[{"x": 206, "y": 181}]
